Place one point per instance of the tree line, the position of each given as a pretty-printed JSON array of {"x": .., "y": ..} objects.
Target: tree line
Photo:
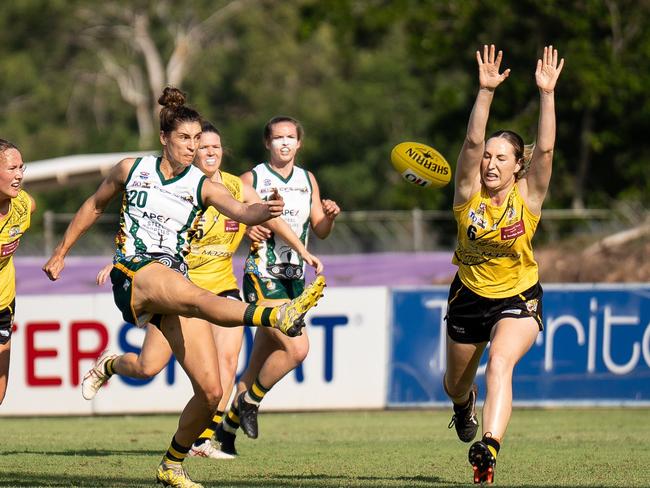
[{"x": 362, "y": 75}]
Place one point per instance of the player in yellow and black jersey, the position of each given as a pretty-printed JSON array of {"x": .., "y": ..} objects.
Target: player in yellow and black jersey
[
  {"x": 496, "y": 295},
  {"x": 16, "y": 208}
]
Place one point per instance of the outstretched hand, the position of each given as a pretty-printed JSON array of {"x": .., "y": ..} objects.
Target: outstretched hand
[
  {"x": 548, "y": 70},
  {"x": 488, "y": 67}
]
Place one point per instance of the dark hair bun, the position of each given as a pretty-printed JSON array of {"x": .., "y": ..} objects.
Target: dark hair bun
[{"x": 172, "y": 97}]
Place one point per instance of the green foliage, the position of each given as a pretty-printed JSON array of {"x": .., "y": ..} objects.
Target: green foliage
[{"x": 360, "y": 75}]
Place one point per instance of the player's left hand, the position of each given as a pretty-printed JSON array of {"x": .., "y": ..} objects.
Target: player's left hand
[
  {"x": 330, "y": 208},
  {"x": 548, "y": 70},
  {"x": 314, "y": 262}
]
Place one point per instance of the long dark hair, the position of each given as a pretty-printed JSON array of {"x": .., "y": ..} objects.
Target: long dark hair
[{"x": 174, "y": 111}]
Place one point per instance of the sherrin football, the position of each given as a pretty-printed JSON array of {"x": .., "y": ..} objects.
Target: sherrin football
[{"x": 420, "y": 165}]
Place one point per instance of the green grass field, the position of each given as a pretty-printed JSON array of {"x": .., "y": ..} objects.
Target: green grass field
[{"x": 557, "y": 447}]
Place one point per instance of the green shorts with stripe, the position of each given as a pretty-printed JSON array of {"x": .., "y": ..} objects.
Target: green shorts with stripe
[
  {"x": 124, "y": 269},
  {"x": 256, "y": 288}
]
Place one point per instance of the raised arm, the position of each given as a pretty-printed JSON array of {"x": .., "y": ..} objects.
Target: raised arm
[
  {"x": 539, "y": 174},
  {"x": 468, "y": 169},
  {"x": 87, "y": 215},
  {"x": 218, "y": 196}
]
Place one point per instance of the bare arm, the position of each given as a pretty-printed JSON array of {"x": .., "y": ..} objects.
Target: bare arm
[
  {"x": 281, "y": 228},
  {"x": 323, "y": 212},
  {"x": 256, "y": 233},
  {"x": 32, "y": 205},
  {"x": 218, "y": 196},
  {"x": 87, "y": 215},
  {"x": 468, "y": 177},
  {"x": 539, "y": 174}
]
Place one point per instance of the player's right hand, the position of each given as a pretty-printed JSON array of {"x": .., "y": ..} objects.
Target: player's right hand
[
  {"x": 258, "y": 233},
  {"x": 53, "y": 267}
]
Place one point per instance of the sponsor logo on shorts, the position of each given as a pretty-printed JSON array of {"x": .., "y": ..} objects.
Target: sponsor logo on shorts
[
  {"x": 4, "y": 333},
  {"x": 531, "y": 305}
]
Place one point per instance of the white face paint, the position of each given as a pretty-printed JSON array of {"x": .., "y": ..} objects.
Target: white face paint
[{"x": 285, "y": 141}]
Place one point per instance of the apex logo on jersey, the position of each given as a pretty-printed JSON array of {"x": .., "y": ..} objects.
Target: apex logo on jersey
[
  {"x": 14, "y": 231},
  {"x": 144, "y": 175},
  {"x": 267, "y": 181},
  {"x": 157, "y": 217}
]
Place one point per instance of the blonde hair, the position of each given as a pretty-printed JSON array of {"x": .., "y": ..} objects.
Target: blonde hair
[{"x": 525, "y": 161}]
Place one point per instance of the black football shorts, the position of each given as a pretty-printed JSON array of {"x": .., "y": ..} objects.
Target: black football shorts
[{"x": 471, "y": 317}]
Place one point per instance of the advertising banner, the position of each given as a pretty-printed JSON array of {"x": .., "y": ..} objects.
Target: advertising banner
[
  {"x": 595, "y": 348},
  {"x": 57, "y": 338}
]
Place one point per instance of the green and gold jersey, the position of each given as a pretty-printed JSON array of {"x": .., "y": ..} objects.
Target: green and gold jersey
[
  {"x": 274, "y": 258},
  {"x": 215, "y": 242},
  {"x": 159, "y": 215}
]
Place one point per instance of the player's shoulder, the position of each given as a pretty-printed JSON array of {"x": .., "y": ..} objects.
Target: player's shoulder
[
  {"x": 225, "y": 176},
  {"x": 24, "y": 202},
  {"x": 233, "y": 183}
]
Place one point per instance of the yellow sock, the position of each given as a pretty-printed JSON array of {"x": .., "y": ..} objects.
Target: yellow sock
[
  {"x": 258, "y": 316},
  {"x": 175, "y": 453},
  {"x": 208, "y": 433}
]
